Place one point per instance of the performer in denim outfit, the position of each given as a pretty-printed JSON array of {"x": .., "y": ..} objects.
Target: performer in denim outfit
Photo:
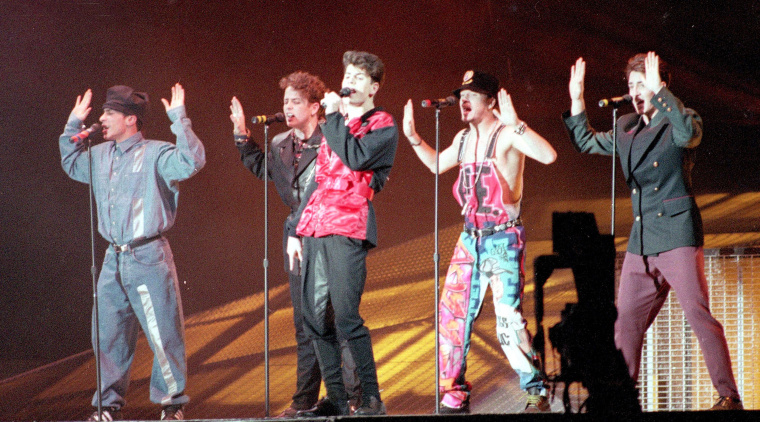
[{"x": 136, "y": 187}]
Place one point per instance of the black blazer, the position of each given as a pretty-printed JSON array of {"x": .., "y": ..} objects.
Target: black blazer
[
  {"x": 289, "y": 181},
  {"x": 656, "y": 160}
]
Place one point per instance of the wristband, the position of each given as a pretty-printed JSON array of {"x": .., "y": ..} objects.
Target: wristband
[
  {"x": 242, "y": 138},
  {"x": 520, "y": 129}
]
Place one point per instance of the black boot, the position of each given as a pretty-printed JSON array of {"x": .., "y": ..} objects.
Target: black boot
[
  {"x": 372, "y": 406},
  {"x": 324, "y": 407}
]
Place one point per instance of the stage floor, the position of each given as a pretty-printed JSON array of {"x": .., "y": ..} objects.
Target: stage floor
[{"x": 225, "y": 347}]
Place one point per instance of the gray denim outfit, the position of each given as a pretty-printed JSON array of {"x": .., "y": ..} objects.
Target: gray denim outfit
[{"x": 136, "y": 189}]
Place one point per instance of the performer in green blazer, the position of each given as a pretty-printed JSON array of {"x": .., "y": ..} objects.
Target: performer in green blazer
[{"x": 656, "y": 146}]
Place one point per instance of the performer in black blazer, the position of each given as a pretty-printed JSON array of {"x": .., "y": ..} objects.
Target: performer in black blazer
[
  {"x": 656, "y": 146},
  {"x": 290, "y": 166}
]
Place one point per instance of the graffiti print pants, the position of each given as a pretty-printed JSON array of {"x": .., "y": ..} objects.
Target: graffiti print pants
[{"x": 496, "y": 260}]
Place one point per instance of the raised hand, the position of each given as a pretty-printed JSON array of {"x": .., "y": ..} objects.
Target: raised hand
[
  {"x": 652, "y": 78},
  {"x": 508, "y": 115},
  {"x": 577, "y": 75},
  {"x": 408, "y": 121},
  {"x": 178, "y": 97},
  {"x": 237, "y": 117},
  {"x": 82, "y": 107}
]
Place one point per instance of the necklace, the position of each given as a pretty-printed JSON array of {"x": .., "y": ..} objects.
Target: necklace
[{"x": 475, "y": 155}]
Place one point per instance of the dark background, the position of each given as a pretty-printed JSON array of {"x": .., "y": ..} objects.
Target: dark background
[{"x": 52, "y": 51}]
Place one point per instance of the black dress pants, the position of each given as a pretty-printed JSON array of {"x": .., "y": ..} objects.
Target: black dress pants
[{"x": 334, "y": 272}]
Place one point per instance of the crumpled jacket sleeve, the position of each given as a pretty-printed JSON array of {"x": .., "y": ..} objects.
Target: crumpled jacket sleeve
[
  {"x": 376, "y": 150},
  {"x": 687, "y": 124},
  {"x": 252, "y": 157},
  {"x": 584, "y": 137},
  {"x": 74, "y": 156},
  {"x": 179, "y": 161}
]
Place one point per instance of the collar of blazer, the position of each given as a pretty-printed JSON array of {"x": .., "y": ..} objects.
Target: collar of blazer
[
  {"x": 310, "y": 152},
  {"x": 645, "y": 142}
]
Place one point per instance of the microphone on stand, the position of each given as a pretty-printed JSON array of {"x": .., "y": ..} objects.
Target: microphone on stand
[
  {"x": 440, "y": 102},
  {"x": 81, "y": 136},
  {"x": 267, "y": 120},
  {"x": 615, "y": 101}
]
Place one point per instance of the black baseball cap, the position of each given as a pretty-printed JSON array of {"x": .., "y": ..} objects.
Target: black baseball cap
[{"x": 478, "y": 81}]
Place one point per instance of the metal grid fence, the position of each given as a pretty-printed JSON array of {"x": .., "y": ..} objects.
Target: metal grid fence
[{"x": 673, "y": 375}]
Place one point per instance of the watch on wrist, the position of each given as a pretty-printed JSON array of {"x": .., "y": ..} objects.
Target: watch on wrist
[
  {"x": 520, "y": 128},
  {"x": 243, "y": 137}
]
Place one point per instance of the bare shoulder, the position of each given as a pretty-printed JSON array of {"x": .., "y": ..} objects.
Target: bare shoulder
[
  {"x": 458, "y": 136},
  {"x": 455, "y": 143},
  {"x": 505, "y": 143}
]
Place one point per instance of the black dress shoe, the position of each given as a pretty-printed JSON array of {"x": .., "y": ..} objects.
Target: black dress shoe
[
  {"x": 373, "y": 406},
  {"x": 324, "y": 407}
]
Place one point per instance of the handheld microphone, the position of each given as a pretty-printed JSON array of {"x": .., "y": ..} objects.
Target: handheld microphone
[
  {"x": 81, "y": 136},
  {"x": 345, "y": 92},
  {"x": 615, "y": 101},
  {"x": 440, "y": 102},
  {"x": 277, "y": 117}
]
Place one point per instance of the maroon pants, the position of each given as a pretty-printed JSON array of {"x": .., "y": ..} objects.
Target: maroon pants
[{"x": 645, "y": 282}]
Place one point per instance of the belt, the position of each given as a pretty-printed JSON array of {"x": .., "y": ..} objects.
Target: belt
[
  {"x": 134, "y": 244},
  {"x": 495, "y": 229}
]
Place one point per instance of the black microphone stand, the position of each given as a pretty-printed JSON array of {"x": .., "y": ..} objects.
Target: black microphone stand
[
  {"x": 436, "y": 259},
  {"x": 93, "y": 272},
  {"x": 267, "y": 120},
  {"x": 614, "y": 160},
  {"x": 266, "y": 269}
]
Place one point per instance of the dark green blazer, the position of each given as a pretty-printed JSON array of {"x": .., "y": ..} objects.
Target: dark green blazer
[{"x": 656, "y": 160}]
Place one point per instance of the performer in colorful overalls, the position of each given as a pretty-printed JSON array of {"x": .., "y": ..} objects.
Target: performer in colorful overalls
[
  {"x": 491, "y": 155},
  {"x": 336, "y": 220}
]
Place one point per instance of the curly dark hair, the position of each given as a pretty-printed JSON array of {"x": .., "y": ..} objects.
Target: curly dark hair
[
  {"x": 366, "y": 61},
  {"x": 312, "y": 87},
  {"x": 636, "y": 64}
]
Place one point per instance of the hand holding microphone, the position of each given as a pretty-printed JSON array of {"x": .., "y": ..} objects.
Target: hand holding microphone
[{"x": 331, "y": 102}]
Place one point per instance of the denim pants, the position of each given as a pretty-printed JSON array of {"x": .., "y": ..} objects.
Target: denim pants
[{"x": 139, "y": 288}]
